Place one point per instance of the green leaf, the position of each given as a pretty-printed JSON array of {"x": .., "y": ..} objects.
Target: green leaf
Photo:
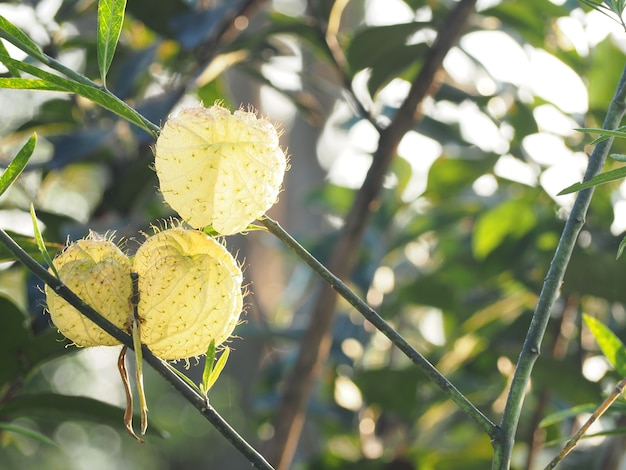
[
  {"x": 512, "y": 218},
  {"x": 365, "y": 49},
  {"x": 52, "y": 82},
  {"x": 3, "y": 51},
  {"x": 63, "y": 407},
  {"x": 618, "y": 157},
  {"x": 18, "y": 164},
  {"x": 20, "y": 351},
  {"x": 40, "y": 242},
  {"x": 208, "y": 366},
  {"x": 217, "y": 370},
  {"x": 557, "y": 417},
  {"x": 386, "y": 50},
  {"x": 15, "y": 35},
  {"x": 28, "y": 244},
  {"x": 394, "y": 390},
  {"x": 602, "y": 178},
  {"x": 620, "y": 132},
  {"x": 110, "y": 20},
  {"x": 621, "y": 247},
  {"x": 37, "y": 436},
  {"x": 14, "y": 337},
  {"x": 610, "y": 345}
]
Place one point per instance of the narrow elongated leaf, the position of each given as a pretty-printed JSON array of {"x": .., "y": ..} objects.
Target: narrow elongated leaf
[
  {"x": 18, "y": 164},
  {"x": 64, "y": 407},
  {"x": 621, "y": 132},
  {"x": 41, "y": 243},
  {"x": 208, "y": 366},
  {"x": 3, "y": 51},
  {"x": 16, "y": 36},
  {"x": 568, "y": 413},
  {"x": 217, "y": 370},
  {"x": 611, "y": 346},
  {"x": 29, "y": 84},
  {"x": 602, "y": 178},
  {"x": 110, "y": 19},
  {"x": 52, "y": 82},
  {"x": 621, "y": 247},
  {"x": 37, "y": 436},
  {"x": 27, "y": 243}
]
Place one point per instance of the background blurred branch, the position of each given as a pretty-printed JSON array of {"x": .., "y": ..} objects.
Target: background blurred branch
[{"x": 316, "y": 342}]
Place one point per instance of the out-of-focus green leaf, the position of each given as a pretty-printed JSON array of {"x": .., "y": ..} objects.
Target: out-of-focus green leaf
[
  {"x": 372, "y": 45},
  {"x": 37, "y": 436},
  {"x": 561, "y": 415},
  {"x": 530, "y": 18},
  {"x": 620, "y": 249},
  {"x": 393, "y": 65},
  {"x": 571, "y": 385},
  {"x": 20, "y": 352},
  {"x": 606, "y": 63},
  {"x": 395, "y": 390},
  {"x": 18, "y": 164},
  {"x": 14, "y": 338},
  {"x": 257, "y": 42},
  {"x": 386, "y": 50},
  {"x": 611, "y": 346},
  {"x": 509, "y": 219},
  {"x": 449, "y": 176},
  {"x": 602, "y": 178},
  {"x": 333, "y": 198},
  {"x": 110, "y": 20},
  {"x": 158, "y": 15},
  {"x": 29, "y": 244},
  {"x": 64, "y": 407}
]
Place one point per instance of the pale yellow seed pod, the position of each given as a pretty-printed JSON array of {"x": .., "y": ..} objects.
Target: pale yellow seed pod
[
  {"x": 99, "y": 273},
  {"x": 189, "y": 293},
  {"x": 220, "y": 169}
]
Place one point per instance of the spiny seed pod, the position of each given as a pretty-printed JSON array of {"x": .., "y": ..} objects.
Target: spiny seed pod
[
  {"x": 99, "y": 273},
  {"x": 189, "y": 293},
  {"x": 220, "y": 169}
]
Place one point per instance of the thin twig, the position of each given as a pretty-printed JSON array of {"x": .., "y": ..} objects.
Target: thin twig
[
  {"x": 199, "y": 402},
  {"x": 617, "y": 392},
  {"x": 315, "y": 344},
  {"x": 552, "y": 283},
  {"x": 375, "y": 319}
]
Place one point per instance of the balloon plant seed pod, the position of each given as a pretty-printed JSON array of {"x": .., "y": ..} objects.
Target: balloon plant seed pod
[
  {"x": 219, "y": 169},
  {"x": 189, "y": 293},
  {"x": 98, "y": 272}
]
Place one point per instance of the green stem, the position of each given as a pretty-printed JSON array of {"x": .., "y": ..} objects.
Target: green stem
[
  {"x": 375, "y": 319},
  {"x": 197, "y": 400},
  {"x": 549, "y": 293}
]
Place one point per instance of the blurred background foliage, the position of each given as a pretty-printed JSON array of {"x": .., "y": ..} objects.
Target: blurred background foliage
[{"x": 454, "y": 257}]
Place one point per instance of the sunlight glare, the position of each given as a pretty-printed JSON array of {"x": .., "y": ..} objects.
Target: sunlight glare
[
  {"x": 347, "y": 394},
  {"x": 387, "y": 12},
  {"x": 556, "y": 82}
]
